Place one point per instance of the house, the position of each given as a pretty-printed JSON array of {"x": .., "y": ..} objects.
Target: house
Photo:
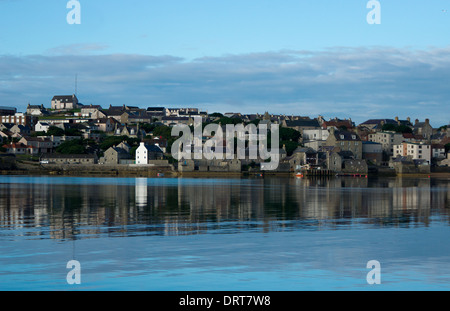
[
  {"x": 124, "y": 145},
  {"x": 215, "y": 165},
  {"x": 5, "y": 126},
  {"x": 415, "y": 150},
  {"x": 406, "y": 165},
  {"x": 98, "y": 114},
  {"x": 20, "y": 148},
  {"x": 157, "y": 112},
  {"x": 372, "y": 152},
  {"x": 135, "y": 117},
  {"x": 145, "y": 153},
  {"x": 53, "y": 158},
  {"x": 41, "y": 126},
  {"x": 171, "y": 121},
  {"x": 344, "y": 162},
  {"x": 36, "y": 110},
  {"x": 158, "y": 141},
  {"x": 345, "y": 141},
  {"x": 20, "y": 129},
  {"x": 315, "y": 134},
  {"x": 302, "y": 157},
  {"x": 387, "y": 140},
  {"x": 106, "y": 124},
  {"x": 346, "y": 124},
  {"x": 438, "y": 151},
  {"x": 65, "y": 102},
  {"x": 301, "y": 124},
  {"x": 114, "y": 155},
  {"x": 41, "y": 144},
  {"x": 423, "y": 128},
  {"x": 4, "y": 134},
  {"x": 89, "y": 110},
  {"x": 19, "y": 119},
  {"x": 7, "y": 111},
  {"x": 377, "y": 124},
  {"x": 130, "y": 131},
  {"x": 116, "y": 112}
]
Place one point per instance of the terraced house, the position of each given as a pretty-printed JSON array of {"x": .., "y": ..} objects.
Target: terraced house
[{"x": 345, "y": 141}]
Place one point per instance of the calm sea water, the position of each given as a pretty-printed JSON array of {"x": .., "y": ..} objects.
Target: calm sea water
[{"x": 224, "y": 234}]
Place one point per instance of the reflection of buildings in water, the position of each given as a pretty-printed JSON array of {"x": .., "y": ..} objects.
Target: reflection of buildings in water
[
  {"x": 189, "y": 208},
  {"x": 411, "y": 194},
  {"x": 141, "y": 192}
]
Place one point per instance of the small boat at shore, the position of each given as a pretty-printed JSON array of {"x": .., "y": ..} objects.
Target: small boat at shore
[
  {"x": 160, "y": 174},
  {"x": 299, "y": 175}
]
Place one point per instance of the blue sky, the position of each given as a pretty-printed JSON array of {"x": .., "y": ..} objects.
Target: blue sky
[{"x": 295, "y": 57}]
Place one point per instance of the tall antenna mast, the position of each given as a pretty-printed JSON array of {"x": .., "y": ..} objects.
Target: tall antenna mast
[{"x": 76, "y": 82}]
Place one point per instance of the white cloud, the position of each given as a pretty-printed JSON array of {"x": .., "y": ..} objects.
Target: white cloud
[{"x": 345, "y": 82}]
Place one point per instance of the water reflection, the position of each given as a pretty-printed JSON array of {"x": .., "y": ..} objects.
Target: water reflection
[{"x": 65, "y": 208}]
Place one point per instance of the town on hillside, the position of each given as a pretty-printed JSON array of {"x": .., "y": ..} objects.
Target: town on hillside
[{"x": 69, "y": 133}]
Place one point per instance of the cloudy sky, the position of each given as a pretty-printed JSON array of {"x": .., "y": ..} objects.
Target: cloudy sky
[{"x": 294, "y": 57}]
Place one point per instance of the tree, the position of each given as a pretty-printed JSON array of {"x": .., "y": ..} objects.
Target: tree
[
  {"x": 72, "y": 132},
  {"x": 147, "y": 127},
  {"x": 447, "y": 147},
  {"x": 290, "y": 146},
  {"x": 396, "y": 128},
  {"x": 226, "y": 120},
  {"x": 216, "y": 115},
  {"x": 163, "y": 131},
  {"x": 112, "y": 141},
  {"x": 389, "y": 127},
  {"x": 133, "y": 151},
  {"x": 403, "y": 129},
  {"x": 74, "y": 146},
  {"x": 289, "y": 134},
  {"x": 55, "y": 131}
]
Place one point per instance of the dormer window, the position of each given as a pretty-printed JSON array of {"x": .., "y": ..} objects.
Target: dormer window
[
  {"x": 342, "y": 136},
  {"x": 353, "y": 136}
]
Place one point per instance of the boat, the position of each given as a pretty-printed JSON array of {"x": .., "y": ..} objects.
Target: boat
[
  {"x": 160, "y": 174},
  {"x": 299, "y": 175}
]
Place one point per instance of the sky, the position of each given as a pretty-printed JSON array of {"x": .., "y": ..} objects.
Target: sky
[{"x": 298, "y": 57}]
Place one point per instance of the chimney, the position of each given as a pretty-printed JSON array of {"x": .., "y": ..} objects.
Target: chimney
[
  {"x": 427, "y": 121},
  {"x": 417, "y": 121},
  {"x": 396, "y": 119},
  {"x": 409, "y": 119}
]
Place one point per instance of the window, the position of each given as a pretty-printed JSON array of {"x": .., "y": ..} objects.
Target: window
[{"x": 353, "y": 136}]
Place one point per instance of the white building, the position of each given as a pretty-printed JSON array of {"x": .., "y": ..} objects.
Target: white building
[
  {"x": 315, "y": 134},
  {"x": 41, "y": 126},
  {"x": 145, "y": 153},
  {"x": 417, "y": 151},
  {"x": 315, "y": 138}
]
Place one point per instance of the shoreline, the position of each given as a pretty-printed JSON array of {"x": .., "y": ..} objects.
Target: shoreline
[{"x": 158, "y": 172}]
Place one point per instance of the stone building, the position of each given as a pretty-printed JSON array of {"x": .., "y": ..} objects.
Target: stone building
[{"x": 345, "y": 141}]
